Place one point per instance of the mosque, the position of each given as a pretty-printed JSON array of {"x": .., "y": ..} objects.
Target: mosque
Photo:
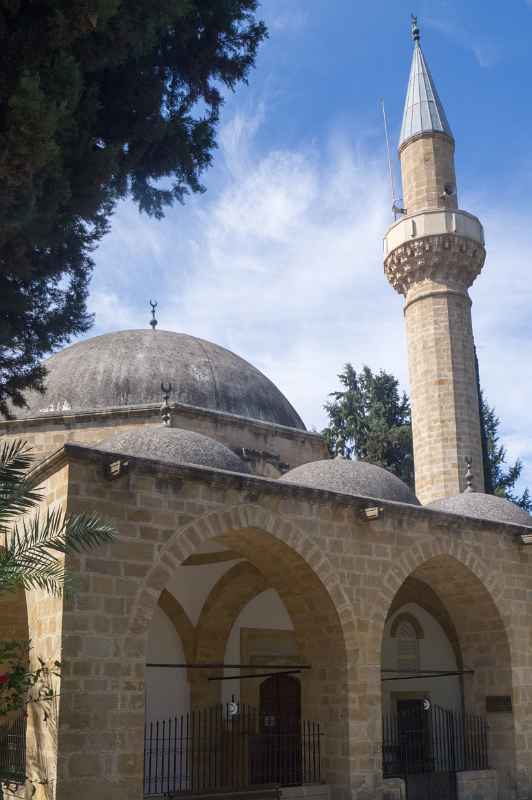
[{"x": 270, "y": 621}]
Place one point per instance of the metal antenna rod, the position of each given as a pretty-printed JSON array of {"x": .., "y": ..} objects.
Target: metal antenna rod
[{"x": 390, "y": 170}]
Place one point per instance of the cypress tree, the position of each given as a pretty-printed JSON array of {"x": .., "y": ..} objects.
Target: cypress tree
[{"x": 99, "y": 99}]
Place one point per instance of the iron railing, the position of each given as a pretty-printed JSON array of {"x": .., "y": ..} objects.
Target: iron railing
[
  {"x": 13, "y": 751},
  {"x": 436, "y": 740},
  {"x": 213, "y": 748}
]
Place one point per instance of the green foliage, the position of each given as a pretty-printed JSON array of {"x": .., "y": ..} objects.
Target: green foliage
[
  {"x": 31, "y": 555},
  {"x": 499, "y": 479},
  {"x": 18, "y": 684},
  {"x": 370, "y": 420},
  {"x": 98, "y": 101}
]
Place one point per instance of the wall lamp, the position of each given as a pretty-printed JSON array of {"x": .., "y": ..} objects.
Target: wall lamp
[{"x": 372, "y": 512}]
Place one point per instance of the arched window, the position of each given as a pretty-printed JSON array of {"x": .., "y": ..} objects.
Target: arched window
[{"x": 407, "y": 631}]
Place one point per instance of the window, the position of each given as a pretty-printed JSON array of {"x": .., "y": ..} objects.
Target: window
[{"x": 407, "y": 647}]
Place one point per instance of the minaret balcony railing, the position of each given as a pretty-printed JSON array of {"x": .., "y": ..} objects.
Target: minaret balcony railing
[{"x": 435, "y": 222}]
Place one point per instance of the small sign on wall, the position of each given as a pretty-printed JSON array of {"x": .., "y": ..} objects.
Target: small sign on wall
[{"x": 499, "y": 704}]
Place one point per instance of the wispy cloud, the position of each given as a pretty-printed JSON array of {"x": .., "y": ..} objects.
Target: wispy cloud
[
  {"x": 281, "y": 262},
  {"x": 486, "y": 50},
  {"x": 289, "y": 20}
]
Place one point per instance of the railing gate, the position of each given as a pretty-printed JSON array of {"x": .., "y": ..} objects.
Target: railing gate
[{"x": 427, "y": 747}]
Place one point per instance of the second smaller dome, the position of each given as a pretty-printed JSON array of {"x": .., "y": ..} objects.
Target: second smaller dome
[
  {"x": 352, "y": 477},
  {"x": 483, "y": 506},
  {"x": 174, "y": 446}
]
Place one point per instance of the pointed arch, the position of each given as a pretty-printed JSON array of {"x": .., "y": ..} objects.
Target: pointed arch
[{"x": 180, "y": 620}]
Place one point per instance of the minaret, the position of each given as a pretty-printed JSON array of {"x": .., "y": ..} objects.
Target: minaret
[{"x": 432, "y": 255}]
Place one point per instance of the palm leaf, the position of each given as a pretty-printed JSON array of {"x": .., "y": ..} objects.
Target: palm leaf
[
  {"x": 30, "y": 555},
  {"x": 17, "y": 492}
]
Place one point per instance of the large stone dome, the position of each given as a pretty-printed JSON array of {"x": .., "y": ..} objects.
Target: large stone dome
[
  {"x": 174, "y": 446},
  {"x": 483, "y": 506},
  {"x": 352, "y": 477},
  {"x": 126, "y": 369}
]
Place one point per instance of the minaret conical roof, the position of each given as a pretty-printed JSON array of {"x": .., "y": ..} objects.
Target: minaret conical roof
[{"x": 423, "y": 108}]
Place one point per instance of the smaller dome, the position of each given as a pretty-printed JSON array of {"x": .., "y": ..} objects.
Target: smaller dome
[
  {"x": 352, "y": 477},
  {"x": 483, "y": 506},
  {"x": 174, "y": 446}
]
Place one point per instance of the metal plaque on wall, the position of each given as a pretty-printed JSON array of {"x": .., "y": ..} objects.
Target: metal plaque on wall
[{"x": 499, "y": 704}]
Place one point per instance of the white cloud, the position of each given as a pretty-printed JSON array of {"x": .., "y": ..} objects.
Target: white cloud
[
  {"x": 281, "y": 261},
  {"x": 485, "y": 49},
  {"x": 289, "y": 21}
]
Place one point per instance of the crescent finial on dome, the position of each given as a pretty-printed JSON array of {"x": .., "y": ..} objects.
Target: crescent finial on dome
[{"x": 166, "y": 411}]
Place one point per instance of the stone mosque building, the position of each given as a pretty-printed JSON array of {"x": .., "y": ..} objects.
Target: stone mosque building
[{"x": 268, "y": 616}]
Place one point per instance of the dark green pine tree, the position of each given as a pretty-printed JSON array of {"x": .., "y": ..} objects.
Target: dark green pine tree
[
  {"x": 99, "y": 99},
  {"x": 370, "y": 420}
]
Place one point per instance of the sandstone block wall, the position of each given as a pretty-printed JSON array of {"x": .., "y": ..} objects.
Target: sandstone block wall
[
  {"x": 338, "y": 575},
  {"x": 443, "y": 388},
  {"x": 269, "y": 449},
  {"x": 427, "y": 168},
  {"x": 480, "y": 785}
]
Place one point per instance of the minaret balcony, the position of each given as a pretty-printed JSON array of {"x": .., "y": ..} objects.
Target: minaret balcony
[
  {"x": 441, "y": 245},
  {"x": 432, "y": 223}
]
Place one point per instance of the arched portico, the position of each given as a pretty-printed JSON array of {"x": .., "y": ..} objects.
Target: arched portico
[
  {"x": 301, "y": 587},
  {"x": 459, "y": 596}
]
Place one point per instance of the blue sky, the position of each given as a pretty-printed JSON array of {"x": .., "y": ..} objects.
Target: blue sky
[{"x": 281, "y": 259}]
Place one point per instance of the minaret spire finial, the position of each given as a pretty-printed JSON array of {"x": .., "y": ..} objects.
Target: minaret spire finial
[
  {"x": 153, "y": 320},
  {"x": 415, "y": 28}
]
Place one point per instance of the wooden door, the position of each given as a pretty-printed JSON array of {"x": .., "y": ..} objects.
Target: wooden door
[{"x": 277, "y": 752}]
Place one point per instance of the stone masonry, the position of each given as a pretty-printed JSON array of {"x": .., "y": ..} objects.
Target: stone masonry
[
  {"x": 338, "y": 575},
  {"x": 432, "y": 266}
]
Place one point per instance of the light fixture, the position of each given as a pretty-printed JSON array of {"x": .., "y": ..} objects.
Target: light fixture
[
  {"x": 372, "y": 512},
  {"x": 115, "y": 469}
]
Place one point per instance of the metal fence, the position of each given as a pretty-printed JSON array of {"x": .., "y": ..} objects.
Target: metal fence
[
  {"x": 13, "y": 751},
  {"x": 215, "y": 748},
  {"x": 438, "y": 740}
]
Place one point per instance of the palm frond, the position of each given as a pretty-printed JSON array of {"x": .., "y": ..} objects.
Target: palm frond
[
  {"x": 30, "y": 557},
  {"x": 83, "y": 532},
  {"x": 17, "y": 492}
]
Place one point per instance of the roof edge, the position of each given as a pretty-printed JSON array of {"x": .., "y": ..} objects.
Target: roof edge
[
  {"x": 140, "y": 410},
  {"x": 255, "y": 482}
]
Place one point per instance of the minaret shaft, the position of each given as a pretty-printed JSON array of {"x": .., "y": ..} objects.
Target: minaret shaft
[
  {"x": 443, "y": 388},
  {"x": 427, "y": 173},
  {"x": 431, "y": 257}
]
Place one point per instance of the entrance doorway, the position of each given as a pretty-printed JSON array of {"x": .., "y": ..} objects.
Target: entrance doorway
[
  {"x": 280, "y": 697},
  {"x": 414, "y": 736},
  {"x": 276, "y": 753}
]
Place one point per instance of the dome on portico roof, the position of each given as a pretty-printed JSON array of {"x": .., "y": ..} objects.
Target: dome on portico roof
[
  {"x": 174, "y": 446},
  {"x": 483, "y": 506},
  {"x": 358, "y": 478}
]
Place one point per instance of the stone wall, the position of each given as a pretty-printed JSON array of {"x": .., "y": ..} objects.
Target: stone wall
[
  {"x": 427, "y": 167},
  {"x": 443, "y": 387},
  {"x": 394, "y": 789},
  {"x": 478, "y": 785},
  {"x": 45, "y": 622},
  {"x": 337, "y": 574},
  {"x": 269, "y": 449}
]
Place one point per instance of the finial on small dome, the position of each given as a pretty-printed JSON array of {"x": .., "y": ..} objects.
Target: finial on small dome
[
  {"x": 414, "y": 28},
  {"x": 153, "y": 320},
  {"x": 469, "y": 476},
  {"x": 166, "y": 411},
  {"x": 339, "y": 450}
]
